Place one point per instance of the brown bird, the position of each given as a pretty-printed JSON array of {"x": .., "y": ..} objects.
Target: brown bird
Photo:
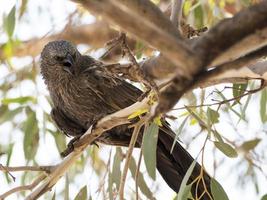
[{"x": 83, "y": 92}]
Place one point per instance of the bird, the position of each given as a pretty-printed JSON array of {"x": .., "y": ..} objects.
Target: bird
[{"x": 82, "y": 92}]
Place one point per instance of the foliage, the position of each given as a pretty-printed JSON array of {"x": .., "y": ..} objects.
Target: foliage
[{"x": 30, "y": 137}]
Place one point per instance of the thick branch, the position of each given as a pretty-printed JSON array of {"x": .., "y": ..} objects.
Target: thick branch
[
  {"x": 134, "y": 21},
  {"x": 95, "y": 35},
  {"x": 230, "y": 32}
]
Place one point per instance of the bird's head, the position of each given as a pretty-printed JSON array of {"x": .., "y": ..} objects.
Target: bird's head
[{"x": 59, "y": 58}]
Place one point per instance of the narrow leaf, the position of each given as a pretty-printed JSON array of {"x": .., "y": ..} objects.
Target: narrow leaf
[
  {"x": 217, "y": 191},
  {"x": 180, "y": 129},
  {"x": 31, "y": 135},
  {"x": 184, "y": 190},
  {"x": 20, "y": 100},
  {"x": 60, "y": 140},
  {"x": 82, "y": 195},
  {"x": 110, "y": 183},
  {"x": 141, "y": 181},
  {"x": 217, "y": 136},
  {"x": 54, "y": 196},
  {"x": 251, "y": 144},
  {"x": 225, "y": 148},
  {"x": 149, "y": 146},
  {"x": 264, "y": 197},
  {"x": 116, "y": 169},
  {"x": 66, "y": 190},
  {"x": 9, "y": 114},
  {"x": 213, "y": 115},
  {"x": 263, "y": 102},
  {"x": 9, "y": 22}
]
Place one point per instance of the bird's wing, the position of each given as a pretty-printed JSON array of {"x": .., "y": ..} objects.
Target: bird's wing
[{"x": 116, "y": 92}]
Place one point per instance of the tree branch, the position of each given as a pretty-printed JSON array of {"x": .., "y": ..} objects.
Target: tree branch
[
  {"x": 132, "y": 19},
  {"x": 176, "y": 13},
  {"x": 24, "y": 187},
  {"x": 229, "y": 32}
]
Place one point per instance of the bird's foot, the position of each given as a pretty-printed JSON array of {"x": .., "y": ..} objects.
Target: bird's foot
[{"x": 70, "y": 146}]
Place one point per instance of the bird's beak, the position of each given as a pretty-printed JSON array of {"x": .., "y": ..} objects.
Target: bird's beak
[{"x": 68, "y": 64}]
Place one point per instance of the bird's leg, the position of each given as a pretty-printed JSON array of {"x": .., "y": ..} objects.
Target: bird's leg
[{"x": 70, "y": 146}]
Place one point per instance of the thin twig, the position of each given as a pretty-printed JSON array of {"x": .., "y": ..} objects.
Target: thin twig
[
  {"x": 5, "y": 169},
  {"x": 136, "y": 176},
  {"x": 48, "y": 169},
  {"x": 24, "y": 187},
  {"x": 227, "y": 100},
  {"x": 176, "y": 13},
  {"x": 136, "y": 131}
]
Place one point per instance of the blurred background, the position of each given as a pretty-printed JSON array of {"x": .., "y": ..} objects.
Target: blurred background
[{"x": 29, "y": 137}]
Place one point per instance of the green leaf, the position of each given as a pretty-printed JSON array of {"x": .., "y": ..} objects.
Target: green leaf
[
  {"x": 263, "y": 102},
  {"x": 149, "y": 146},
  {"x": 82, "y": 194},
  {"x": 110, "y": 183},
  {"x": 225, "y": 148},
  {"x": 9, "y": 114},
  {"x": 264, "y": 197},
  {"x": 116, "y": 169},
  {"x": 230, "y": 107},
  {"x": 213, "y": 116},
  {"x": 217, "y": 191},
  {"x": 23, "y": 7},
  {"x": 239, "y": 89},
  {"x": 199, "y": 16},
  {"x": 180, "y": 129},
  {"x": 60, "y": 140},
  {"x": 184, "y": 190},
  {"x": 54, "y": 196},
  {"x": 20, "y": 100},
  {"x": 140, "y": 181},
  {"x": 139, "y": 46},
  {"x": 251, "y": 144},
  {"x": 67, "y": 189},
  {"x": 217, "y": 136},
  {"x": 31, "y": 135},
  {"x": 9, "y": 22}
]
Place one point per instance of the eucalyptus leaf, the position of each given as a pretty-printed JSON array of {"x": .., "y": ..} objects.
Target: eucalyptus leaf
[
  {"x": 9, "y": 22},
  {"x": 264, "y": 197},
  {"x": 116, "y": 169},
  {"x": 227, "y": 149},
  {"x": 10, "y": 114},
  {"x": 217, "y": 190},
  {"x": 141, "y": 181},
  {"x": 31, "y": 135},
  {"x": 238, "y": 90},
  {"x": 82, "y": 194},
  {"x": 213, "y": 115},
  {"x": 149, "y": 146},
  {"x": 251, "y": 144},
  {"x": 184, "y": 190},
  {"x": 54, "y": 196},
  {"x": 19, "y": 100},
  {"x": 60, "y": 140},
  {"x": 263, "y": 102}
]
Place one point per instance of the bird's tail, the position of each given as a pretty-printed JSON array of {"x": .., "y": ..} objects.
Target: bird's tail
[{"x": 173, "y": 167}]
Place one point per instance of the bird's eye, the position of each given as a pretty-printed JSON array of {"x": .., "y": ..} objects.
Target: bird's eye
[{"x": 58, "y": 58}]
